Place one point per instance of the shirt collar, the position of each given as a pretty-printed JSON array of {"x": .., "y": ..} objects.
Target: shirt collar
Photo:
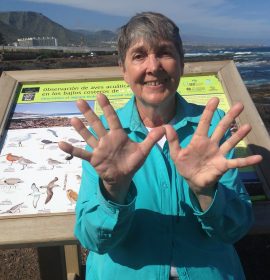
[{"x": 185, "y": 112}]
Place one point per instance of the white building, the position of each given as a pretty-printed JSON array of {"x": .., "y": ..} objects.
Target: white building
[{"x": 37, "y": 42}]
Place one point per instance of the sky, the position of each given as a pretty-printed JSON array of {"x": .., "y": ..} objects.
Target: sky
[
  {"x": 48, "y": 108},
  {"x": 243, "y": 20}
]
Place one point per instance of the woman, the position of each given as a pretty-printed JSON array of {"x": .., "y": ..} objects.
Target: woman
[{"x": 160, "y": 197}]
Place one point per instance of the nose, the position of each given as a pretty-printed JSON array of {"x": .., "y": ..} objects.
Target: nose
[{"x": 153, "y": 64}]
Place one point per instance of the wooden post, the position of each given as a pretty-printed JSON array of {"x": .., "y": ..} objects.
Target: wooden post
[{"x": 73, "y": 261}]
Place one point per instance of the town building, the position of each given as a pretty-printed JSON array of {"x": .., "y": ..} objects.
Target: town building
[{"x": 37, "y": 42}]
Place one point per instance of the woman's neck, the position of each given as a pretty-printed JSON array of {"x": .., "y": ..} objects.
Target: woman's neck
[{"x": 153, "y": 116}]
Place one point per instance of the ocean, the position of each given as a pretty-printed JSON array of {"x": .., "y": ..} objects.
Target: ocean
[{"x": 253, "y": 63}]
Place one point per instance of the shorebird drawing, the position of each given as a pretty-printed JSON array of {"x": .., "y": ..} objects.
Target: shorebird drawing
[
  {"x": 47, "y": 142},
  {"x": 13, "y": 181},
  {"x": 21, "y": 138},
  {"x": 25, "y": 162},
  {"x": 72, "y": 196},
  {"x": 68, "y": 158},
  {"x": 49, "y": 188},
  {"x": 13, "y": 209},
  {"x": 74, "y": 141},
  {"x": 12, "y": 158},
  {"x": 53, "y": 132},
  {"x": 53, "y": 162},
  {"x": 36, "y": 194},
  {"x": 79, "y": 178}
]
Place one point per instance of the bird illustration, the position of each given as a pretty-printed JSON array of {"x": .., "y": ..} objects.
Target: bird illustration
[
  {"x": 13, "y": 209},
  {"x": 12, "y": 158},
  {"x": 72, "y": 196},
  {"x": 13, "y": 181},
  {"x": 53, "y": 132},
  {"x": 24, "y": 162},
  {"x": 47, "y": 142},
  {"x": 49, "y": 188},
  {"x": 68, "y": 158},
  {"x": 78, "y": 177},
  {"x": 73, "y": 140},
  {"x": 19, "y": 159},
  {"x": 36, "y": 194},
  {"x": 53, "y": 162},
  {"x": 21, "y": 138}
]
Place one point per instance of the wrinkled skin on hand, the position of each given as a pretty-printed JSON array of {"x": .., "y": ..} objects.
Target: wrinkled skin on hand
[
  {"x": 203, "y": 161},
  {"x": 115, "y": 157}
]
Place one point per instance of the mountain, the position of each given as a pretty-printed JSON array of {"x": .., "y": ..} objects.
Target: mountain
[
  {"x": 96, "y": 37},
  {"x": 14, "y": 25}
]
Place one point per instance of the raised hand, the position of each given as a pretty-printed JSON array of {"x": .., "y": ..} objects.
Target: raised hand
[
  {"x": 203, "y": 161},
  {"x": 115, "y": 157}
]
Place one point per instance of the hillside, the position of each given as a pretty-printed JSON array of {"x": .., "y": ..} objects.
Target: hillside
[{"x": 14, "y": 25}]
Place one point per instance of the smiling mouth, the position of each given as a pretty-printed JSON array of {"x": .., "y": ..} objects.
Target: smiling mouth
[{"x": 155, "y": 83}]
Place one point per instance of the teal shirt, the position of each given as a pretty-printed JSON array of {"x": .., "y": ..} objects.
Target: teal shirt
[{"x": 162, "y": 223}]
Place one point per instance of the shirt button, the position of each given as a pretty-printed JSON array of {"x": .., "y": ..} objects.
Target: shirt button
[
  {"x": 164, "y": 186},
  {"x": 183, "y": 273}
]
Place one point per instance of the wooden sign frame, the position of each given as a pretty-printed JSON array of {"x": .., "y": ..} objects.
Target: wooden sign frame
[{"x": 57, "y": 229}]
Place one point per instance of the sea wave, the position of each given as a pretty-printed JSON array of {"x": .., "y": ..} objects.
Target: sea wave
[
  {"x": 243, "y": 53},
  {"x": 257, "y": 82},
  {"x": 197, "y": 54},
  {"x": 252, "y": 63}
]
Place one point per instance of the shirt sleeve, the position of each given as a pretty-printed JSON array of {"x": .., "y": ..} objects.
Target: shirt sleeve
[
  {"x": 230, "y": 215},
  {"x": 101, "y": 224}
]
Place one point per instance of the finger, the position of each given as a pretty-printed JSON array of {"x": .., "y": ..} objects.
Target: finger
[
  {"x": 226, "y": 122},
  {"x": 92, "y": 118},
  {"x": 172, "y": 138},
  {"x": 76, "y": 152},
  {"x": 241, "y": 133},
  {"x": 152, "y": 138},
  {"x": 109, "y": 112},
  {"x": 206, "y": 117},
  {"x": 84, "y": 132},
  {"x": 243, "y": 162}
]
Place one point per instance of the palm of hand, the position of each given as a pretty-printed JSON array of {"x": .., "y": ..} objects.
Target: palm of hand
[
  {"x": 116, "y": 157},
  {"x": 201, "y": 163}
]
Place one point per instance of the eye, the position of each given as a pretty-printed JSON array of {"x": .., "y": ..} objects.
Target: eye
[
  {"x": 138, "y": 56},
  {"x": 166, "y": 52}
]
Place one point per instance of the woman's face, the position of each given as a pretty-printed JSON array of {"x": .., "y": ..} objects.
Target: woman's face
[{"x": 153, "y": 72}]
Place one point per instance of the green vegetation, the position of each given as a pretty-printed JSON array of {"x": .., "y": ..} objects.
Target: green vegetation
[{"x": 14, "y": 25}]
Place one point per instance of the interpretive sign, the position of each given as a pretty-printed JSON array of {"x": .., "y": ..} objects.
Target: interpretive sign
[
  {"x": 36, "y": 176},
  {"x": 39, "y": 182}
]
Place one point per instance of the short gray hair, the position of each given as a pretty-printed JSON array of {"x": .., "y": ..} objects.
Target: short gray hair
[{"x": 152, "y": 27}]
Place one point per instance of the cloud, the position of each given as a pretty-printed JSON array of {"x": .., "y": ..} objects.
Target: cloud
[
  {"x": 216, "y": 15},
  {"x": 124, "y": 7}
]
